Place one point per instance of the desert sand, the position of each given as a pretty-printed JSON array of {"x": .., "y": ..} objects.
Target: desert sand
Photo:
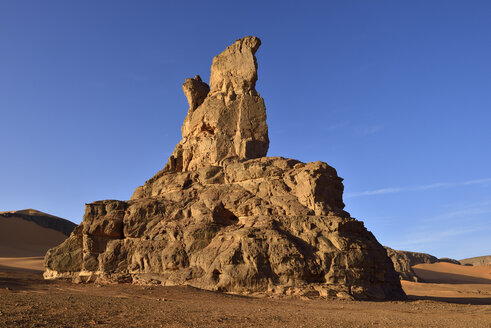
[
  {"x": 15, "y": 264},
  {"x": 452, "y": 283},
  {"x": 26, "y": 300},
  {"x": 21, "y": 238},
  {"x": 24, "y": 243},
  {"x": 449, "y": 273},
  {"x": 455, "y": 296}
]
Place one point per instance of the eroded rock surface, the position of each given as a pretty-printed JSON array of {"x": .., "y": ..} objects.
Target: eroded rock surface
[
  {"x": 195, "y": 91},
  {"x": 404, "y": 261},
  {"x": 449, "y": 260},
  {"x": 222, "y": 216},
  {"x": 229, "y": 121},
  {"x": 477, "y": 261}
]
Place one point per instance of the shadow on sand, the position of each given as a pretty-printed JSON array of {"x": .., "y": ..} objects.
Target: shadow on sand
[
  {"x": 16, "y": 279},
  {"x": 449, "y": 278},
  {"x": 456, "y": 300},
  {"x": 20, "y": 279}
]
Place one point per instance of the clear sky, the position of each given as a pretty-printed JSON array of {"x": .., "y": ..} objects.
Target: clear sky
[{"x": 396, "y": 95}]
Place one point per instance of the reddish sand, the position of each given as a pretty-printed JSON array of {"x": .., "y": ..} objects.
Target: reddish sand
[
  {"x": 24, "y": 243},
  {"x": 449, "y": 273},
  {"x": 22, "y": 263},
  {"x": 26, "y": 300},
  {"x": 451, "y": 282},
  {"x": 21, "y": 238}
]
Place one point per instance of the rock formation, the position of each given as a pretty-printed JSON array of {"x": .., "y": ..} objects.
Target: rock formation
[
  {"x": 449, "y": 260},
  {"x": 226, "y": 121},
  {"x": 477, "y": 261},
  {"x": 222, "y": 216},
  {"x": 404, "y": 261}
]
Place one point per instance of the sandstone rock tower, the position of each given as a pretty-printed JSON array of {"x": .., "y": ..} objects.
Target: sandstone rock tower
[
  {"x": 222, "y": 216},
  {"x": 226, "y": 120}
]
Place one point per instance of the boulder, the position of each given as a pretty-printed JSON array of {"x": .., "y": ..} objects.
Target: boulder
[{"x": 222, "y": 216}]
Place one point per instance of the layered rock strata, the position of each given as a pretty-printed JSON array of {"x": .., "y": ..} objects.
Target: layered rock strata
[{"x": 222, "y": 216}]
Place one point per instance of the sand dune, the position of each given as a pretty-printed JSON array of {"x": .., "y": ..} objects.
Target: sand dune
[
  {"x": 21, "y": 238},
  {"x": 15, "y": 264},
  {"x": 24, "y": 243},
  {"x": 451, "y": 282},
  {"x": 43, "y": 219},
  {"x": 453, "y": 274}
]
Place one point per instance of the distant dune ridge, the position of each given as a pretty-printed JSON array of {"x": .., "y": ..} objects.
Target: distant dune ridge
[
  {"x": 444, "y": 272},
  {"x": 26, "y": 236},
  {"x": 451, "y": 283},
  {"x": 43, "y": 219}
]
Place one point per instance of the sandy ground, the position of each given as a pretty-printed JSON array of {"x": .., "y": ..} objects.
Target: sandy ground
[
  {"x": 26, "y": 300},
  {"x": 14, "y": 264},
  {"x": 454, "y": 297}
]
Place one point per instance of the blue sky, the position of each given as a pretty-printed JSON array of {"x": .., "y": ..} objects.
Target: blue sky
[{"x": 394, "y": 94}]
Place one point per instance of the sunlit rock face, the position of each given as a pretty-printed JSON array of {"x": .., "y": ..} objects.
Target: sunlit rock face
[
  {"x": 226, "y": 121},
  {"x": 222, "y": 216},
  {"x": 404, "y": 261}
]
